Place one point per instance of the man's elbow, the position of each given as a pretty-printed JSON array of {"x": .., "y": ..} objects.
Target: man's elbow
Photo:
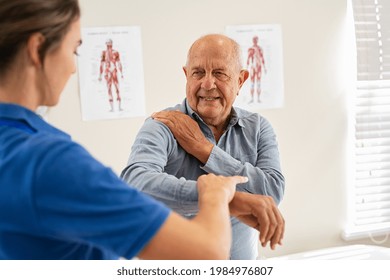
[{"x": 278, "y": 191}]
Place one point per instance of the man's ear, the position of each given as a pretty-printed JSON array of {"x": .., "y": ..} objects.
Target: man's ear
[
  {"x": 185, "y": 70},
  {"x": 34, "y": 44},
  {"x": 244, "y": 74}
]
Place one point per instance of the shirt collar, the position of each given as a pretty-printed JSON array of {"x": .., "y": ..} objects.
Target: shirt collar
[
  {"x": 22, "y": 114},
  {"x": 234, "y": 120}
]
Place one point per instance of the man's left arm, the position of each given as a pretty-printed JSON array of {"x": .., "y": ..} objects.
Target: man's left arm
[{"x": 265, "y": 176}]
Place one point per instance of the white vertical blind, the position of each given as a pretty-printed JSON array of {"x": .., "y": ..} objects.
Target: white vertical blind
[
  {"x": 372, "y": 28},
  {"x": 372, "y": 120}
]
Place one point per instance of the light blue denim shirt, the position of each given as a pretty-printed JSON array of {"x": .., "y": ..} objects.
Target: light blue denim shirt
[{"x": 160, "y": 167}]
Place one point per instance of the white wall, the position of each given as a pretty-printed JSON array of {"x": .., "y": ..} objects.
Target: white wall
[{"x": 312, "y": 128}]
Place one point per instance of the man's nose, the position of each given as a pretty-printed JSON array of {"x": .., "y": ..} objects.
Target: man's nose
[{"x": 208, "y": 82}]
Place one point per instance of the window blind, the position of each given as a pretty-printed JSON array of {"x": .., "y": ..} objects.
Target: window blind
[
  {"x": 371, "y": 195},
  {"x": 372, "y": 30}
]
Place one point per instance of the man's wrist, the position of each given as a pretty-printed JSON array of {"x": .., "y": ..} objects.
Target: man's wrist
[{"x": 205, "y": 152}]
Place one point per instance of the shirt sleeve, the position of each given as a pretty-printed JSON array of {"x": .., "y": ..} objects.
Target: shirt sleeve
[
  {"x": 77, "y": 198},
  {"x": 265, "y": 176},
  {"x": 145, "y": 169}
]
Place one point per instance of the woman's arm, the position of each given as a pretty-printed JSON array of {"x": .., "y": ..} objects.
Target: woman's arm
[{"x": 208, "y": 235}]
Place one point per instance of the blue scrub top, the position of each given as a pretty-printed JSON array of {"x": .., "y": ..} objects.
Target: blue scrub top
[{"x": 58, "y": 202}]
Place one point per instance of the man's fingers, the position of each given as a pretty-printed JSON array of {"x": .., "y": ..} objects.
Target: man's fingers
[
  {"x": 277, "y": 236},
  {"x": 280, "y": 231},
  {"x": 271, "y": 225},
  {"x": 164, "y": 118},
  {"x": 264, "y": 227},
  {"x": 165, "y": 121},
  {"x": 168, "y": 114}
]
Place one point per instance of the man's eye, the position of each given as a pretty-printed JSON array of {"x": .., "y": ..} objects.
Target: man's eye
[
  {"x": 221, "y": 75},
  {"x": 197, "y": 74}
]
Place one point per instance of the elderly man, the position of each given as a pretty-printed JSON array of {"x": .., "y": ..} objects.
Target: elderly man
[{"x": 206, "y": 134}]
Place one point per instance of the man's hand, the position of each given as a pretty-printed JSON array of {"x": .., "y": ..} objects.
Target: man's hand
[
  {"x": 261, "y": 213},
  {"x": 187, "y": 133}
]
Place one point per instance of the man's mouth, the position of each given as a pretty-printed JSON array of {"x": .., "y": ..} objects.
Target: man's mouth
[{"x": 208, "y": 98}]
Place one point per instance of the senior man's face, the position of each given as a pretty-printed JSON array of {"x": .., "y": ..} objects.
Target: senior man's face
[{"x": 213, "y": 80}]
